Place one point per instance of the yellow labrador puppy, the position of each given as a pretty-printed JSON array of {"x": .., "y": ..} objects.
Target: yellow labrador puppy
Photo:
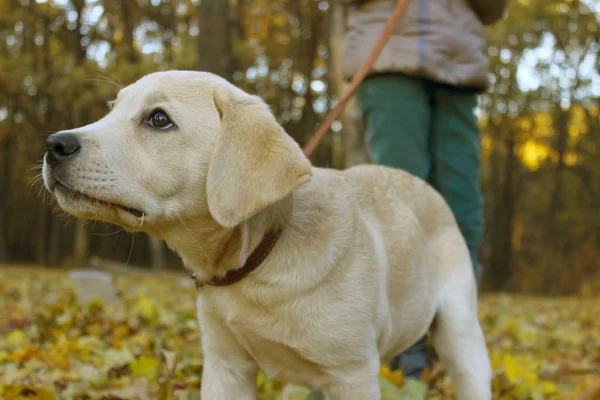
[{"x": 348, "y": 268}]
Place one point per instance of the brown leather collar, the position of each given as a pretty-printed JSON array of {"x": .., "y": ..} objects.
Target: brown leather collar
[{"x": 256, "y": 258}]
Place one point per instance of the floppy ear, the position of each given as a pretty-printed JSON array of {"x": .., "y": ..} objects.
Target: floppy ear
[{"x": 255, "y": 162}]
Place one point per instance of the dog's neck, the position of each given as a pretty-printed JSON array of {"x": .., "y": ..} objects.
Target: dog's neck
[{"x": 210, "y": 250}]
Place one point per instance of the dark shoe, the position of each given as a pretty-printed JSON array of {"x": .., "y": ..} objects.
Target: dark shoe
[{"x": 413, "y": 361}]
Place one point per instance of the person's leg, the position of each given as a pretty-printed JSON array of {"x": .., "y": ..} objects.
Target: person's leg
[
  {"x": 397, "y": 115},
  {"x": 456, "y": 165}
]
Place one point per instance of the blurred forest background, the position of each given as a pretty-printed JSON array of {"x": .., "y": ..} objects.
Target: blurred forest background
[{"x": 540, "y": 118}]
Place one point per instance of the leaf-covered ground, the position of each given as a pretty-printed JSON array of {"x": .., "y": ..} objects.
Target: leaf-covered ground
[{"x": 51, "y": 348}]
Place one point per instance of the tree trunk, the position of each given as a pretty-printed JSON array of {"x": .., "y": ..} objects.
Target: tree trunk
[
  {"x": 42, "y": 234},
  {"x": 157, "y": 253},
  {"x": 52, "y": 238},
  {"x": 355, "y": 151},
  {"x": 237, "y": 24},
  {"x": 5, "y": 176},
  {"x": 54, "y": 242},
  {"x": 552, "y": 232},
  {"x": 80, "y": 50},
  {"x": 214, "y": 50},
  {"x": 307, "y": 53},
  {"x": 81, "y": 244},
  {"x": 4, "y": 171},
  {"x": 499, "y": 273},
  {"x": 169, "y": 32},
  {"x": 128, "y": 28}
]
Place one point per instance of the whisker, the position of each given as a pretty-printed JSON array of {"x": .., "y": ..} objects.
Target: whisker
[
  {"x": 109, "y": 234},
  {"x": 130, "y": 249},
  {"x": 101, "y": 81},
  {"x": 114, "y": 79},
  {"x": 35, "y": 181},
  {"x": 47, "y": 200},
  {"x": 41, "y": 192}
]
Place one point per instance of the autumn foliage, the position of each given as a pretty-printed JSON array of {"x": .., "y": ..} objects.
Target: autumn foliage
[{"x": 149, "y": 347}]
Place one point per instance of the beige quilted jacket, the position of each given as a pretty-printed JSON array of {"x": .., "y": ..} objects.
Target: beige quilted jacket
[{"x": 441, "y": 40}]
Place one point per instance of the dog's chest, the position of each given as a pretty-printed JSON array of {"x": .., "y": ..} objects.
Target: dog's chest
[
  {"x": 285, "y": 360},
  {"x": 278, "y": 341}
]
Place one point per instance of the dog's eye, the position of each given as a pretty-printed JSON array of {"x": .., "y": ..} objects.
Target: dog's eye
[{"x": 159, "y": 119}]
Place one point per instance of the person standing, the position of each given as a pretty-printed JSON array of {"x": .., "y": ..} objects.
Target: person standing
[{"x": 418, "y": 104}]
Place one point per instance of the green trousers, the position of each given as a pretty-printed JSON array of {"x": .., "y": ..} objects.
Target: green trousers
[{"x": 431, "y": 131}]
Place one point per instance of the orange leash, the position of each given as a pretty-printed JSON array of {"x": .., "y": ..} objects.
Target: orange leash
[{"x": 357, "y": 79}]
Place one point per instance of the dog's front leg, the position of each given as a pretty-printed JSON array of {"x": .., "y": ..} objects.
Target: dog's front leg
[
  {"x": 228, "y": 379},
  {"x": 360, "y": 382},
  {"x": 229, "y": 372}
]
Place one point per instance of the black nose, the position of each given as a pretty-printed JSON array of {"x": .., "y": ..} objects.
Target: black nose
[{"x": 62, "y": 147}]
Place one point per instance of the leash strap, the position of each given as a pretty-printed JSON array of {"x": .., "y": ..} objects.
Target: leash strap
[{"x": 357, "y": 79}]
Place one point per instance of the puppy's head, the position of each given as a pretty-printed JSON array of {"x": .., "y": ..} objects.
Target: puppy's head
[{"x": 175, "y": 145}]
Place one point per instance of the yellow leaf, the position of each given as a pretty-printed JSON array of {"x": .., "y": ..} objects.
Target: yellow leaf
[
  {"x": 496, "y": 359},
  {"x": 521, "y": 371},
  {"x": 95, "y": 329},
  {"x": 16, "y": 337},
  {"x": 396, "y": 377},
  {"x": 58, "y": 354},
  {"x": 510, "y": 367},
  {"x": 548, "y": 387},
  {"x": 145, "y": 367},
  {"x": 59, "y": 358},
  {"x": 121, "y": 331},
  {"x": 25, "y": 354},
  {"x": 533, "y": 154},
  {"x": 384, "y": 371},
  {"x": 147, "y": 307}
]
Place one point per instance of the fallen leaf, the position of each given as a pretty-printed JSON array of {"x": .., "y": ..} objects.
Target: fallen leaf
[{"x": 145, "y": 367}]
